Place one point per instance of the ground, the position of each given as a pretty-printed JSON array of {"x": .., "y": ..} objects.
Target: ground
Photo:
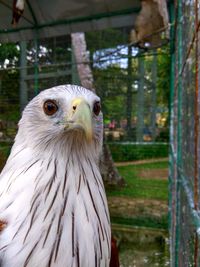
[
  {"x": 144, "y": 199},
  {"x": 128, "y": 207},
  {"x": 139, "y": 213}
]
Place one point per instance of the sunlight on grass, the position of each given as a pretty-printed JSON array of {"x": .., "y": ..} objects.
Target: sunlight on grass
[{"x": 137, "y": 187}]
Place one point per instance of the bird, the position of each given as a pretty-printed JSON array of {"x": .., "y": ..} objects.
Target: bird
[
  {"x": 17, "y": 11},
  {"x": 53, "y": 207}
]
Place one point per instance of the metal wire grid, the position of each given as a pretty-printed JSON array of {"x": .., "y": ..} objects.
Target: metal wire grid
[
  {"x": 110, "y": 71},
  {"x": 184, "y": 158}
]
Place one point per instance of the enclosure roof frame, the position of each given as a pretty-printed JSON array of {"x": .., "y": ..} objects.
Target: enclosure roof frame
[{"x": 40, "y": 18}]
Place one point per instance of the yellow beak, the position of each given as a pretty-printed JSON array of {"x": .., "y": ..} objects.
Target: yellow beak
[{"x": 81, "y": 117}]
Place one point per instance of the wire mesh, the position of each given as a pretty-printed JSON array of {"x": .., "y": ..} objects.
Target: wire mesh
[
  {"x": 134, "y": 89},
  {"x": 128, "y": 80},
  {"x": 184, "y": 199}
]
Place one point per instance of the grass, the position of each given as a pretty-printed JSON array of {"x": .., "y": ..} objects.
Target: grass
[
  {"x": 142, "y": 188},
  {"x": 5, "y": 148},
  {"x": 161, "y": 223},
  {"x": 137, "y": 187}
]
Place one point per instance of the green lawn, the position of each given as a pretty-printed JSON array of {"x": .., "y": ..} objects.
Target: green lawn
[
  {"x": 143, "y": 221},
  {"x": 5, "y": 150},
  {"x": 137, "y": 187}
]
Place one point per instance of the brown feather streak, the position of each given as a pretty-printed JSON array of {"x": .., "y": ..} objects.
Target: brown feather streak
[
  {"x": 86, "y": 212},
  {"x": 106, "y": 212},
  {"x": 95, "y": 209},
  {"x": 31, "y": 222},
  {"x": 91, "y": 167},
  {"x": 95, "y": 258},
  {"x": 19, "y": 228},
  {"x": 73, "y": 234},
  {"x": 31, "y": 166},
  {"x": 2, "y": 248},
  {"x": 52, "y": 202},
  {"x": 48, "y": 230},
  {"x": 65, "y": 203},
  {"x": 58, "y": 243},
  {"x": 83, "y": 174},
  {"x": 65, "y": 181},
  {"x": 107, "y": 239},
  {"x": 78, "y": 257},
  {"x": 33, "y": 202},
  {"x": 99, "y": 190},
  {"x": 100, "y": 245},
  {"x": 51, "y": 180},
  {"x": 79, "y": 183},
  {"x": 48, "y": 185},
  {"x": 31, "y": 252},
  {"x": 51, "y": 254},
  {"x": 17, "y": 152},
  {"x": 48, "y": 164},
  {"x": 8, "y": 205}
]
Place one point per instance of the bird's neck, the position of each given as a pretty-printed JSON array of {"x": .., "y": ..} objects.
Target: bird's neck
[{"x": 65, "y": 200}]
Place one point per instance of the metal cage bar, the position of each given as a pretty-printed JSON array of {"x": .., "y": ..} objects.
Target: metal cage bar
[{"x": 184, "y": 153}]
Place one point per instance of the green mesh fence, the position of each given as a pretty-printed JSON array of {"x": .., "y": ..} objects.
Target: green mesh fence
[
  {"x": 130, "y": 81},
  {"x": 184, "y": 200},
  {"x": 133, "y": 84}
]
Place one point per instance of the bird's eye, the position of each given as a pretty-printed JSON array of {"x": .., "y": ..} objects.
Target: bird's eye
[
  {"x": 50, "y": 107},
  {"x": 97, "y": 108}
]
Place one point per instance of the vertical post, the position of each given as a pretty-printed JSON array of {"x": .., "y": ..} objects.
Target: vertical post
[
  {"x": 129, "y": 94},
  {"x": 153, "y": 99},
  {"x": 196, "y": 128},
  {"x": 36, "y": 89},
  {"x": 75, "y": 76},
  {"x": 0, "y": 84},
  {"x": 172, "y": 167},
  {"x": 179, "y": 133},
  {"x": 23, "y": 73},
  {"x": 140, "y": 101},
  {"x": 54, "y": 59}
]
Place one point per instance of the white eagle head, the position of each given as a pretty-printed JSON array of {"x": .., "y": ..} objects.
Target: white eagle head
[{"x": 61, "y": 115}]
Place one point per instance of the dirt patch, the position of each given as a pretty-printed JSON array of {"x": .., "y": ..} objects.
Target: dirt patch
[
  {"x": 138, "y": 162},
  {"x": 153, "y": 173}
]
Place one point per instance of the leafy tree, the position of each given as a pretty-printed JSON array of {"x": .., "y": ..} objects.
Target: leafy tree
[{"x": 9, "y": 82}]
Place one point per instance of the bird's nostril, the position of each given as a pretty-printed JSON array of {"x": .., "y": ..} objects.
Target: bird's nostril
[{"x": 74, "y": 107}]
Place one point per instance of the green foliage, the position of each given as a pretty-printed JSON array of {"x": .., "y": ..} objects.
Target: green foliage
[
  {"x": 109, "y": 38},
  {"x": 163, "y": 81},
  {"x": 10, "y": 52},
  {"x": 5, "y": 149},
  {"x": 111, "y": 87},
  {"x": 9, "y": 83},
  {"x": 113, "y": 78},
  {"x": 129, "y": 152},
  {"x": 9, "y": 96},
  {"x": 145, "y": 221}
]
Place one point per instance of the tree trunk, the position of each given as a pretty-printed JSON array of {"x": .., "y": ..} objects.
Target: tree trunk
[
  {"x": 82, "y": 60},
  {"x": 109, "y": 172}
]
